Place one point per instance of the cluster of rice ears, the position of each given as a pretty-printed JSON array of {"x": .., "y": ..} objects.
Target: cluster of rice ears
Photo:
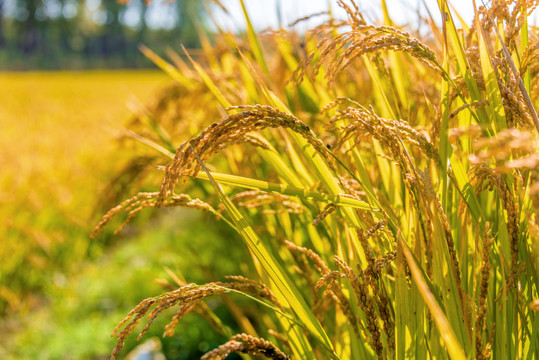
[{"x": 392, "y": 179}]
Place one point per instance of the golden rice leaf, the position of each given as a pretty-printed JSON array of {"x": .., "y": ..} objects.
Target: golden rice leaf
[
  {"x": 387, "y": 112},
  {"x": 401, "y": 307},
  {"x": 311, "y": 97},
  {"x": 209, "y": 83},
  {"x": 524, "y": 41},
  {"x": 398, "y": 72},
  {"x": 453, "y": 347},
  {"x": 166, "y": 67},
  {"x": 451, "y": 32},
  {"x": 494, "y": 96},
  {"x": 256, "y": 48},
  {"x": 465, "y": 189}
]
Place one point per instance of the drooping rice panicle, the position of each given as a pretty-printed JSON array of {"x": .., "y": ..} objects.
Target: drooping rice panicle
[{"x": 246, "y": 344}]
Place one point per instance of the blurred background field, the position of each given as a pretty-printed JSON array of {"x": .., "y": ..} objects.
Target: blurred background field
[
  {"x": 56, "y": 149},
  {"x": 60, "y": 294}
]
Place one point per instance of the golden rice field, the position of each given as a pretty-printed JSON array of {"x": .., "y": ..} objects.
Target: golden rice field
[
  {"x": 56, "y": 147},
  {"x": 371, "y": 191},
  {"x": 59, "y": 150}
]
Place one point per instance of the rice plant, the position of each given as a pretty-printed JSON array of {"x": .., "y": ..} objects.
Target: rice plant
[{"x": 385, "y": 184}]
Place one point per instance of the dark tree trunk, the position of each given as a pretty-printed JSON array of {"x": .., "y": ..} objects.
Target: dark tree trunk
[
  {"x": 141, "y": 33},
  {"x": 30, "y": 31},
  {"x": 2, "y": 36}
]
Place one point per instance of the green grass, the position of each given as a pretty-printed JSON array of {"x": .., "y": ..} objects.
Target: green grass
[{"x": 84, "y": 306}]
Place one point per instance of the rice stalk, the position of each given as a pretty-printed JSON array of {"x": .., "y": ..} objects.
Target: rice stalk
[{"x": 342, "y": 181}]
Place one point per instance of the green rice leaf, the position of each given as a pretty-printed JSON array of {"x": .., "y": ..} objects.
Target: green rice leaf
[
  {"x": 286, "y": 289},
  {"x": 284, "y": 189}
]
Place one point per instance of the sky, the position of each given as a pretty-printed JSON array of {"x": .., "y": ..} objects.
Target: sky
[{"x": 263, "y": 13}]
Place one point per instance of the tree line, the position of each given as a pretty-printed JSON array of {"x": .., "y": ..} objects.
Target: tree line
[{"x": 54, "y": 34}]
